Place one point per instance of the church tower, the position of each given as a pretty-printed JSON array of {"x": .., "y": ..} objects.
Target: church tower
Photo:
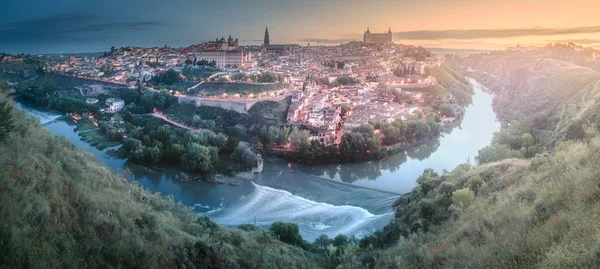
[
  {"x": 389, "y": 35},
  {"x": 266, "y": 42}
]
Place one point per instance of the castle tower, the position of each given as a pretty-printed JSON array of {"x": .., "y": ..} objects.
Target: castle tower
[
  {"x": 266, "y": 42},
  {"x": 367, "y": 36}
]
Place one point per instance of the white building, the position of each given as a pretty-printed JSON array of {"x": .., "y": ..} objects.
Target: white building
[
  {"x": 227, "y": 58},
  {"x": 114, "y": 104}
]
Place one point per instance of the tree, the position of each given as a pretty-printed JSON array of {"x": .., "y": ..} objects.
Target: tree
[
  {"x": 238, "y": 131},
  {"x": 340, "y": 241},
  {"x": 496, "y": 152},
  {"x": 475, "y": 182},
  {"x": 447, "y": 110},
  {"x": 135, "y": 150},
  {"x": 6, "y": 121},
  {"x": 346, "y": 80},
  {"x": 417, "y": 130},
  {"x": 173, "y": 153},
  {"x": 199, "y": 158},
  {"x": 322, "y": 241},
  {"x": 152, "y": 154},
  {"x": 527, "y": 140},
  {"x": 313, "y": 152},
  {"x": 299, "y": 138},
  {"x": 4, "y": 85},
  {"x": 167, "y": 78},
  {"x": 268, "y": 135},
  {"x": 374, "y": 144},
  {"x": 463, "y": 198},
  {"x": 266, "y": 77},
  {"x": 239, "y": 76},
  {"x": 394, "y": 132},
  {"x": 287, "y": 232},
  {"x": 352, "y": 146},
  {"x": 365, "y": 129}
]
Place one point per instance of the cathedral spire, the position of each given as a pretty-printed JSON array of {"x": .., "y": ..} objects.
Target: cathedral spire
[
  {"x": 267, "y": 41},
  {"x": 389, "y": 29}
]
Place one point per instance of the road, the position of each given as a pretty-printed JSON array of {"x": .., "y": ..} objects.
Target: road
[
  {"x": 162, "y": 116},
  {"x": 195, "y": 86}
]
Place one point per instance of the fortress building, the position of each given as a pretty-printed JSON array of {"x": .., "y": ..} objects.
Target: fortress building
[{"x": 377, "y": 38}]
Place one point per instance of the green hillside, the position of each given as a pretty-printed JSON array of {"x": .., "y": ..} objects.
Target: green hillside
[
  {"x": 271, "y": 109},
  {"x": 61, "y": 209}
]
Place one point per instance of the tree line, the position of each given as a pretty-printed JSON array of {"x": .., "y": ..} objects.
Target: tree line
[{"x": 361, "y": 144}]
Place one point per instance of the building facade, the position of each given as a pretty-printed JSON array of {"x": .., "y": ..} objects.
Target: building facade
[
  {"x": 114, "y": 104},
  {"x": 226, "y": 58},
  {"x": 378, "y": 38}
]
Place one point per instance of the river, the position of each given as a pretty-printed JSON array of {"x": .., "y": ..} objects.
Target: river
[{"x": 352, "y": 199}]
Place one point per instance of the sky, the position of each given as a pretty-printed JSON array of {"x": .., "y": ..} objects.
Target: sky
[{"x": 70, "y": 26}]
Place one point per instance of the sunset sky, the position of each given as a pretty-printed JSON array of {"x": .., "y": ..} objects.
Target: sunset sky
[{"x": 45, "y": 26}]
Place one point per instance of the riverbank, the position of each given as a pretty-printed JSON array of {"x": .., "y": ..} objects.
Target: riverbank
[{"x": 312, "y": 196}]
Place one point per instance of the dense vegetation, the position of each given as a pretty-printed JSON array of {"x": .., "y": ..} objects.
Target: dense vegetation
[
  {"x": 362, "y": 144},
  {"x": 152, "y": 142},
  {"x": 60, "y": 209},
  {"x": 272, "y": 109}
]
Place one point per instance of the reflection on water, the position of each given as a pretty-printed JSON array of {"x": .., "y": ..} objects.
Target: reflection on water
[
  {"x": 398, "y": 173},
  {"x": 354, "y": 199}
]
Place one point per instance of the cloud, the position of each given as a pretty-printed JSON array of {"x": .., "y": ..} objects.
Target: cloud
[
  {"x": 492, "y": 33},
  {"x": 582, "y": 41},
  {"x": 64, "y": 28}
]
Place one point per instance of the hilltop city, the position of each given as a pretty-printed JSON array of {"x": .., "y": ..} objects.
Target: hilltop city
[{"x": 333, "y": 89}]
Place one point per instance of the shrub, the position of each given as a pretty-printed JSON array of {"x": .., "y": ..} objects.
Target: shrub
[
  {"x": 287, "y": 232},
  {"x": 463, "y": 198},
  {"x": 249, "y": 227},
  {"x": 537, "y": 161},
  {"x": 496, "y": 152},
  {"x": 475, "y": 183},
  {"x": 446, "y": 188}
]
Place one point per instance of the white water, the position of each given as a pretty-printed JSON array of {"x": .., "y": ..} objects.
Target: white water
[
  {"x": 44, "y": 117},
  {"x": 266, "y": 205}
]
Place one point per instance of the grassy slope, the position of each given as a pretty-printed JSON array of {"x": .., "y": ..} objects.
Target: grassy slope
[
  {"x": 451, "y": 81},
  {"x": 61, "y": 209},
  {"x": 272, "y": 109},
  {"x": 537, "y": 213}
]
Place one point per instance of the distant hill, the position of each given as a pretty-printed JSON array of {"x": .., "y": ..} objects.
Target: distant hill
[
  {"x": 528, "y": 84},
  {"x": 443, "y": 51}
]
